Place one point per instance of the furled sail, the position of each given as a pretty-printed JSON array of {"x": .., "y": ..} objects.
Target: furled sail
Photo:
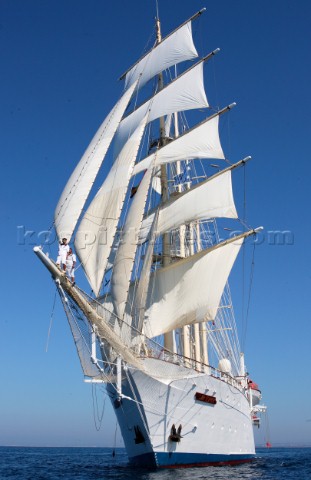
[
  {"x": 201, "y": 141},
  {"x": 212, "y": 198},
  {"x": 124, "y": 260},
  {"x": 175, "y": 48},
  {"x": 78, "y": 187},
  {"x": 97, "y": 229},
  {"x": 184, "y": 93},
  {"x": 204, "y": 275}
]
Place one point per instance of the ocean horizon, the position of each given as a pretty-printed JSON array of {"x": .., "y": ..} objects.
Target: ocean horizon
[{"x": 261, "y": 446}]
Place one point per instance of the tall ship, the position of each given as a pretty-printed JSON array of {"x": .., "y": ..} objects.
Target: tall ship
[{"x": 158, "y": 326}]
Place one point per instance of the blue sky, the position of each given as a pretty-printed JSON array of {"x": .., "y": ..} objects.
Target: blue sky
[{"x": 60, "y": 63}]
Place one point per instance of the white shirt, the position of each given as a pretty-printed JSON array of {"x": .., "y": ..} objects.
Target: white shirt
[
  {"x": 63, "y": 249},
  {"x": 71, "y": 258}
]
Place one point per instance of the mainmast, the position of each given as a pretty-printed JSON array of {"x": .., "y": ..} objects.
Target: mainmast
[
  {"x": 169, "y": 338},
  {"x": 163, "y": 141},
  {"x": 169, "y": 342}
]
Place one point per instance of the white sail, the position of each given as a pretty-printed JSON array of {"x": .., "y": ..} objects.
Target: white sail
[
  {"x": 184, "y": 93},
  {"x": 97, "y": 229},
  {"x": 204, "y": 275},
  {"x": 209, "y": 199},
  {"x": 200, "y": 142},
  {"x": 124, "y": 261},
  {"x": 142, "y": 286},
  {"x": 168, "y": 124},
  {"x": 175, "y": 48},
  {"x": 156, "y": 184},
  {"x": 78, "y": 187}
]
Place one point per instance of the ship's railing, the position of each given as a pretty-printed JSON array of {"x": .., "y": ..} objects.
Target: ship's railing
[
  {"x": 154, "y": 350},
  {"x": 149, "y": 348}
]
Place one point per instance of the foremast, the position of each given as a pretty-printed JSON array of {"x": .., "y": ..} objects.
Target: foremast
[{"x": 169, "y": 342}]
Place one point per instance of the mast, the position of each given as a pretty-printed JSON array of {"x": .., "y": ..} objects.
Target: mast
[
  {"x": 169, "y": 342},
  {"x": 202, "y": 326},
  {"x": 185, "y": 331},
  {"x": 196, "y": 329}
]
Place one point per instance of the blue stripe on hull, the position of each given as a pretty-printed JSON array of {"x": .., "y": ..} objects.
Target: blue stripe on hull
[{"x": 184, "y": 460}]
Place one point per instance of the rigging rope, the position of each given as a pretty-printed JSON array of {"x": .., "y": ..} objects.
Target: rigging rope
[
  {"x": 246, "y": 227},
  {"x": 267, "y": 430},
  {"x": 139, "y": 404},
  {"x": 157, "y": 9},
  {"x": 51, "y": 321},
  {"x": 249, "y": 295},
  {"x": 98, "y": 418}
]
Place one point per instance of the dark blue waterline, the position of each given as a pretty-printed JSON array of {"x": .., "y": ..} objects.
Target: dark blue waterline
[{"x": 187, "y": 460}]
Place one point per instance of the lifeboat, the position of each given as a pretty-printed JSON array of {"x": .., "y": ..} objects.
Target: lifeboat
[{"x": 254, "y": 392}]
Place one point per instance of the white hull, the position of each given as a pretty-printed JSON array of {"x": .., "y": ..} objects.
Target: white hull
[{"x": 211, "y": 434}]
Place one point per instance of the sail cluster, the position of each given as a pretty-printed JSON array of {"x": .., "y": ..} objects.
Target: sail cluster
[
  {"x": 79, "y": 185},
  {"x": 162, "y": 300},
  {"x": 97, "y": 229},
  {"x": 184, "y": 93}
]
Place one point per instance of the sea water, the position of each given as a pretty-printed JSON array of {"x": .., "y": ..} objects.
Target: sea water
[{"x": 21, "y": 463}]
